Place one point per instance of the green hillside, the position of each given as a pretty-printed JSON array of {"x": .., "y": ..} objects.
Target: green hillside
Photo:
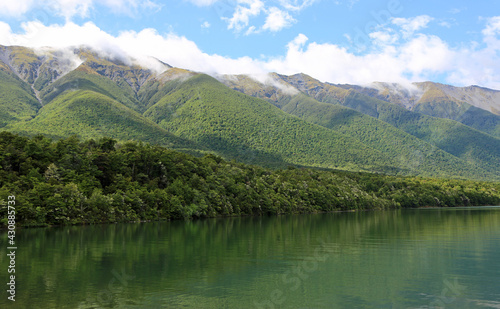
[
  {"x": 154, "y": 89},
  {"x": 250, "y": 129},
  {"x": 462, "y": 112},
  {"x": 451, "y": 136},
  {"x": 481, "y": 120},
  {"x": 285, "y": 120},
  {"x": 464, "y": 142},
  {"x": 411, "y": 153},
  {"x": 442, "y": 101},
  {"x": 84, "y": 78},
  {"x": 17, "y": 102},
  {"x": 89, "y": 114}
]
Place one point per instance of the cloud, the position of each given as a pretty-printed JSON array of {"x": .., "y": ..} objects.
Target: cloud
[
  {"x": 270, "y": 80},
  {"x": 170, "y": 48},
  {"x": 296, "y": 5},
  {"x": 6, "y": 35},
  {"x": 384, "y": 37},
  {"x": 298, "y": 41},
  {"x": 457, "y": 10},
  {"x": 412, "y": 25},
  {"x": 277, "y": 20},
  {"x": 205, "y": 25},
  {"x": 492, "y": 27},
  {"x": 70, "y": 8},
  {"x": 251, "y": 30},
  {"x": 243, "y": 12},
  {"x": 329, "y": 62},
  {"x": 392, "y": 58},
  {"x": 480, "y": 64},
  {"x": 445, "y": 24},
  {"x": 15, "y": 8}
]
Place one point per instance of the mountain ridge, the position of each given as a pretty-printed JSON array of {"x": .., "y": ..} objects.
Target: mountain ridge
[
  {"x": 480, "y": 148},
  {"x": 474, "y": 106},
  {"x": 271, "y": 120}
]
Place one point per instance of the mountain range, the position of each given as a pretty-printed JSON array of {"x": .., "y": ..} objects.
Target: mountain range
[{"x": 425, "y": 129}]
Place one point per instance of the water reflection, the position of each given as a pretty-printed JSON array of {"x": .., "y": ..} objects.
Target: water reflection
[{"x": 400, "y": 259}]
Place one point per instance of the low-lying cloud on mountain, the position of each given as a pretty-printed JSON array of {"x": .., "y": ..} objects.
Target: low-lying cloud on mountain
[{"x": 398, "y": 53}]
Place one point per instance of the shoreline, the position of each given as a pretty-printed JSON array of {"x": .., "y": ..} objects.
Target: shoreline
[{"x": 247, "y": 216}]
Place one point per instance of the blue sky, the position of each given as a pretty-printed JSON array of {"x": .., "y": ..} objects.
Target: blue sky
[{"x": 339, "y": 41}]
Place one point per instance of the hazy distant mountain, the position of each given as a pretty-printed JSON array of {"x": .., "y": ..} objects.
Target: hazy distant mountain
[
  {"x": 474, "y": 106},
  {"x": 272, "y": 120}
]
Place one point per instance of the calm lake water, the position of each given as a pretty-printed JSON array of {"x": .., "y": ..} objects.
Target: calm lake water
[{"x": 426, "y": 258}]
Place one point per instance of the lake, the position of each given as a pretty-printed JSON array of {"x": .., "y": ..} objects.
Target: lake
[{"x": 412, "y": 258}]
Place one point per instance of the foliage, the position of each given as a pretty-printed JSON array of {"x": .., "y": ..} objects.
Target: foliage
[
  {"x": 466, "y": 143},
  {"x": 80, "y": 79},
  {"x": 412, "y": 155},
  {"x": 70, "y": 181},
  {"x": 252, "y": 130},
  {"x": 481, "y": 120},
  {"x": 106, "y": 97},
  {"x": 89, "y": 114},
  {"x": 16, "y": 100}
]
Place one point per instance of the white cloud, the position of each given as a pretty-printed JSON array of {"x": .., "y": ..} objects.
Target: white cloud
[
  {"x": 205, "y": 25},
  {"x": 480, "y": 65},
  {"x": 15, "y": 8},
  {"x": 251, "y": 30},
  {"x": 412, "y": 25},
  {"x": 5, "y": 34},
  {"x": 129, "y": 7},
  {"x": 296, "y": 5},
  {"x": 493, "y": 26},
  {"x": 243, "y": 12},
  {"x": 277, "y": 20},
  {"x": 426, "y": 53},
  {"x": 269, "y": 79},
  {"x": 445, "y": 24},
  {"x": 384, "y": 37},
  {"x": 329, "y": 62},
  {"x": 170, "y": 48},
  {"x": 71, "y": 8},
  {"x": 298, "y": 41},
  {"x": 396, "y": 58}
]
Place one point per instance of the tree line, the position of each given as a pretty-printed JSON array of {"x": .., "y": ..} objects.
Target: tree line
[{"x": 73, "y": 181}]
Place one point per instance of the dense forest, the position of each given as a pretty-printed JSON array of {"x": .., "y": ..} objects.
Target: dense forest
[{"x": 71, "y": 181}]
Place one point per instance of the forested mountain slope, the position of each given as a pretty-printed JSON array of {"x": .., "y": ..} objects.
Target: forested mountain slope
[
  {"x": 470, "y": 145},
  {"x": 285, "y": 120}
]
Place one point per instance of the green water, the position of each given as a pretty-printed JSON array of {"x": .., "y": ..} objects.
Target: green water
[{"x": 427, "y": 258}]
